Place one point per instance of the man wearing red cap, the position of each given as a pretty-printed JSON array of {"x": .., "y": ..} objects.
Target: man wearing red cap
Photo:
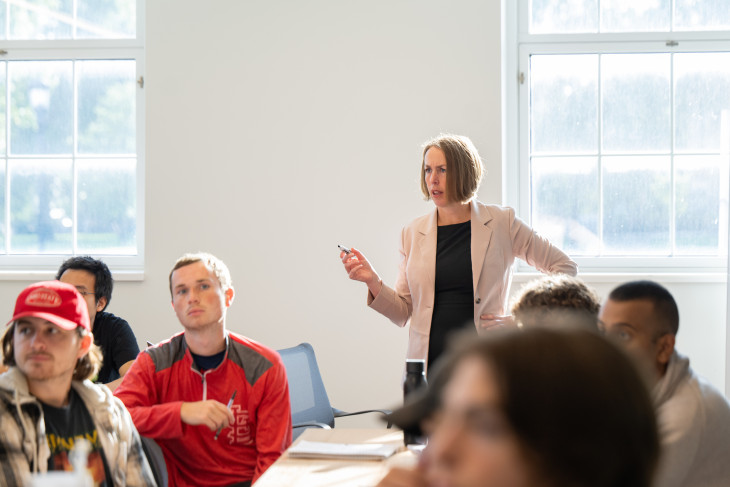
[{"x": 47, "y": 403}]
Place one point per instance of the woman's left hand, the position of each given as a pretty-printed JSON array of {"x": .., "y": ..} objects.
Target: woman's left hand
[{"x": 491, "y": 321}]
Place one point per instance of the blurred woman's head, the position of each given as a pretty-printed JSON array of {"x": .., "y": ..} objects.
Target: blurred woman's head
[
  {"x": 463, "y": 163},
  {"x": 540, "y": 407}
]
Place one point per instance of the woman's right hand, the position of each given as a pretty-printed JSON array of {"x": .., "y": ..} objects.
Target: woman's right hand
[{"x": 359, "y": 269}]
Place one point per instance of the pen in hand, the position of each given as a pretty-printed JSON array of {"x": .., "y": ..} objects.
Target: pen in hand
[{"x": 230, "y": 403}]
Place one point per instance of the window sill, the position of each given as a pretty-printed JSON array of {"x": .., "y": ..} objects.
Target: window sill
[
  {"x": 594, "y": 276},
  {"x": 48, "y": 275}
]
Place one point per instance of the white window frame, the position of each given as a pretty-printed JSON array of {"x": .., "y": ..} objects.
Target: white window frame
[
  {"x": 518, "y": 45},
  {"x": 124, "y": 267}
]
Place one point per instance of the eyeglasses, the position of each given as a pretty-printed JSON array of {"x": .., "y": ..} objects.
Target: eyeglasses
[{"x": 84, "y": 292}]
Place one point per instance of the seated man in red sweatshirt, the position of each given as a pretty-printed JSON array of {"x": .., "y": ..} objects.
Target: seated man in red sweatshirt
[{"x": 216, "y": 402}]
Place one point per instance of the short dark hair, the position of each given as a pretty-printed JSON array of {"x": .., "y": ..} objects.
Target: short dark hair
[
  {"x": 664, "y": 304},
  {"x": 557, "y": 300},
  {"x": 86, "y": 367},
  {"x": 103, "y": 281},
  {"x": 463, "y": 164},
  {"x": 560, "y": 390}
]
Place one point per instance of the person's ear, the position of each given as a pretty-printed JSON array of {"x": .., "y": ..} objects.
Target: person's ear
[
  {"x": 230, "y": 293},
  {"x": 86, "y": 342},
  {"x": 665, "y": 348},
  {"x": 101, "y": 304}
]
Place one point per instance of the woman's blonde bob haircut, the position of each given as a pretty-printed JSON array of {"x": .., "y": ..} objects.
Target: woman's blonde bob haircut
[{"x": 463, "y": 166}]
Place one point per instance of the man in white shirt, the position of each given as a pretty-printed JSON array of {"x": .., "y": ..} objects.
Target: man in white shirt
[{"x": 693, "y": 417}]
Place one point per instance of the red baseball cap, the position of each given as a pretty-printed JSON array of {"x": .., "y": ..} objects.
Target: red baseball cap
[{"x": 54, "y": 301}]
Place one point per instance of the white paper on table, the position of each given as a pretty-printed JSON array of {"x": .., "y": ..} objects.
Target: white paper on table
[{"x": 350, "y": 451}]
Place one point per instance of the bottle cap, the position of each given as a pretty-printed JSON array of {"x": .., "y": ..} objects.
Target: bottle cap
[{"x": 416, "y": 366}]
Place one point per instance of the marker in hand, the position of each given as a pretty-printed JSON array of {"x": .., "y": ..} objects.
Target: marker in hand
[{"x": 230, "y": 403}]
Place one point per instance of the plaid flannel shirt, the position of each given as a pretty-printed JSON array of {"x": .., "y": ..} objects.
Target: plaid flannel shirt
[{"x": 24, "y": 449}]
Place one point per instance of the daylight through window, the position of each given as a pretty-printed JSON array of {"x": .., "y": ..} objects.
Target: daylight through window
[
  {"x": 625, "y": 109},
  {"x": 70, "y": 109}
]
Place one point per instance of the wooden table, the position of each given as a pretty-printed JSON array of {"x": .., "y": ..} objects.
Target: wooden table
[{"x": 300, "y": 472}]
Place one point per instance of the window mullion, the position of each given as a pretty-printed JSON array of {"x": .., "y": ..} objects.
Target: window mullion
[
  {"x": 74, "y": 27},
  {"x": 8, "y": 234},
  {"x": 599, "y": 142},
  {"x": 672, "y": 144},
  {"x": 74, "y": 158},
  {"x": 600, "y": 23}
]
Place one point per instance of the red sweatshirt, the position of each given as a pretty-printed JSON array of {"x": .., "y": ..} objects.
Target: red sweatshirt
[{"x": 165, "y": 376}]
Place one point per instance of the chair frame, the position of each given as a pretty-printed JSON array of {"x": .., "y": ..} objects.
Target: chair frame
[{"x": 322, "y": 415}]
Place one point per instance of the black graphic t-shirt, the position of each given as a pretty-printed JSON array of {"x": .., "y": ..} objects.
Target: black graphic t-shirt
[{"x": 64, "y": 426}]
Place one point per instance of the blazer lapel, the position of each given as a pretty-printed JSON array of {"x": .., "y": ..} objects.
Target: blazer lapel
[
  {"x": 481, "y": 234},
  {"x": 427, "y": 236}
]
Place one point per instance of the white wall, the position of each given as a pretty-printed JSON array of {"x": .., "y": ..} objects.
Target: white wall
[{"x": 277, "y": 129}]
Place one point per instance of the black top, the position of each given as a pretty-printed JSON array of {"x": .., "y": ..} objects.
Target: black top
[
  {"x": 117, "y": 342},
  {"x": 453, "y": 307},
  {"x": 64, "y": 426}
]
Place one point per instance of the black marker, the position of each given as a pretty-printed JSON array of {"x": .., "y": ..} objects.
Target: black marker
[{"x": 344, "y": 249}]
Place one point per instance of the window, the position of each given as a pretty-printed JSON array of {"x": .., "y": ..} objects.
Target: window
[
  {"x": 624, "y": 106},
  {"x": 70, "y": 132}
]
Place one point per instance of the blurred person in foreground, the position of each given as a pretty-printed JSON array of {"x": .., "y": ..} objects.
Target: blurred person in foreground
[
  {"x": 693, "y": 416},
  {"x": 112, "y": 334},
  {"x": 533, "y": 407},
  {"x": 557, "y": 301},
  {"x": 47, "y": 402},
  {"x": 215, "y": 401},
  {"x": 455, "y": 262}
]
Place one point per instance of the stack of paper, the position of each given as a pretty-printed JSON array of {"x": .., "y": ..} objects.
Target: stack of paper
[{"x": 349, "y": 451}]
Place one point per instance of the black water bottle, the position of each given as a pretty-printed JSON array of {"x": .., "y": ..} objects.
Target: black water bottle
[{"x": 415, "y": 379}]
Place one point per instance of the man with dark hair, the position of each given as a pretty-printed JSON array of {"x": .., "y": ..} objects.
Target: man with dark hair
[
  {"x": 113, "y": 335},
  {"x": 216, "y": 402},
  {"x": 694, "y": 418},
  {"x": 46, "y": 402}
]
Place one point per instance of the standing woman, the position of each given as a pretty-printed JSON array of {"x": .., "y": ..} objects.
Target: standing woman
[{"x": 455, "y": 262}]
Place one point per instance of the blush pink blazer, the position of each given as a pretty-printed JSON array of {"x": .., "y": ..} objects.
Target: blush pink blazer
[{"x": 497, "y": 237}]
